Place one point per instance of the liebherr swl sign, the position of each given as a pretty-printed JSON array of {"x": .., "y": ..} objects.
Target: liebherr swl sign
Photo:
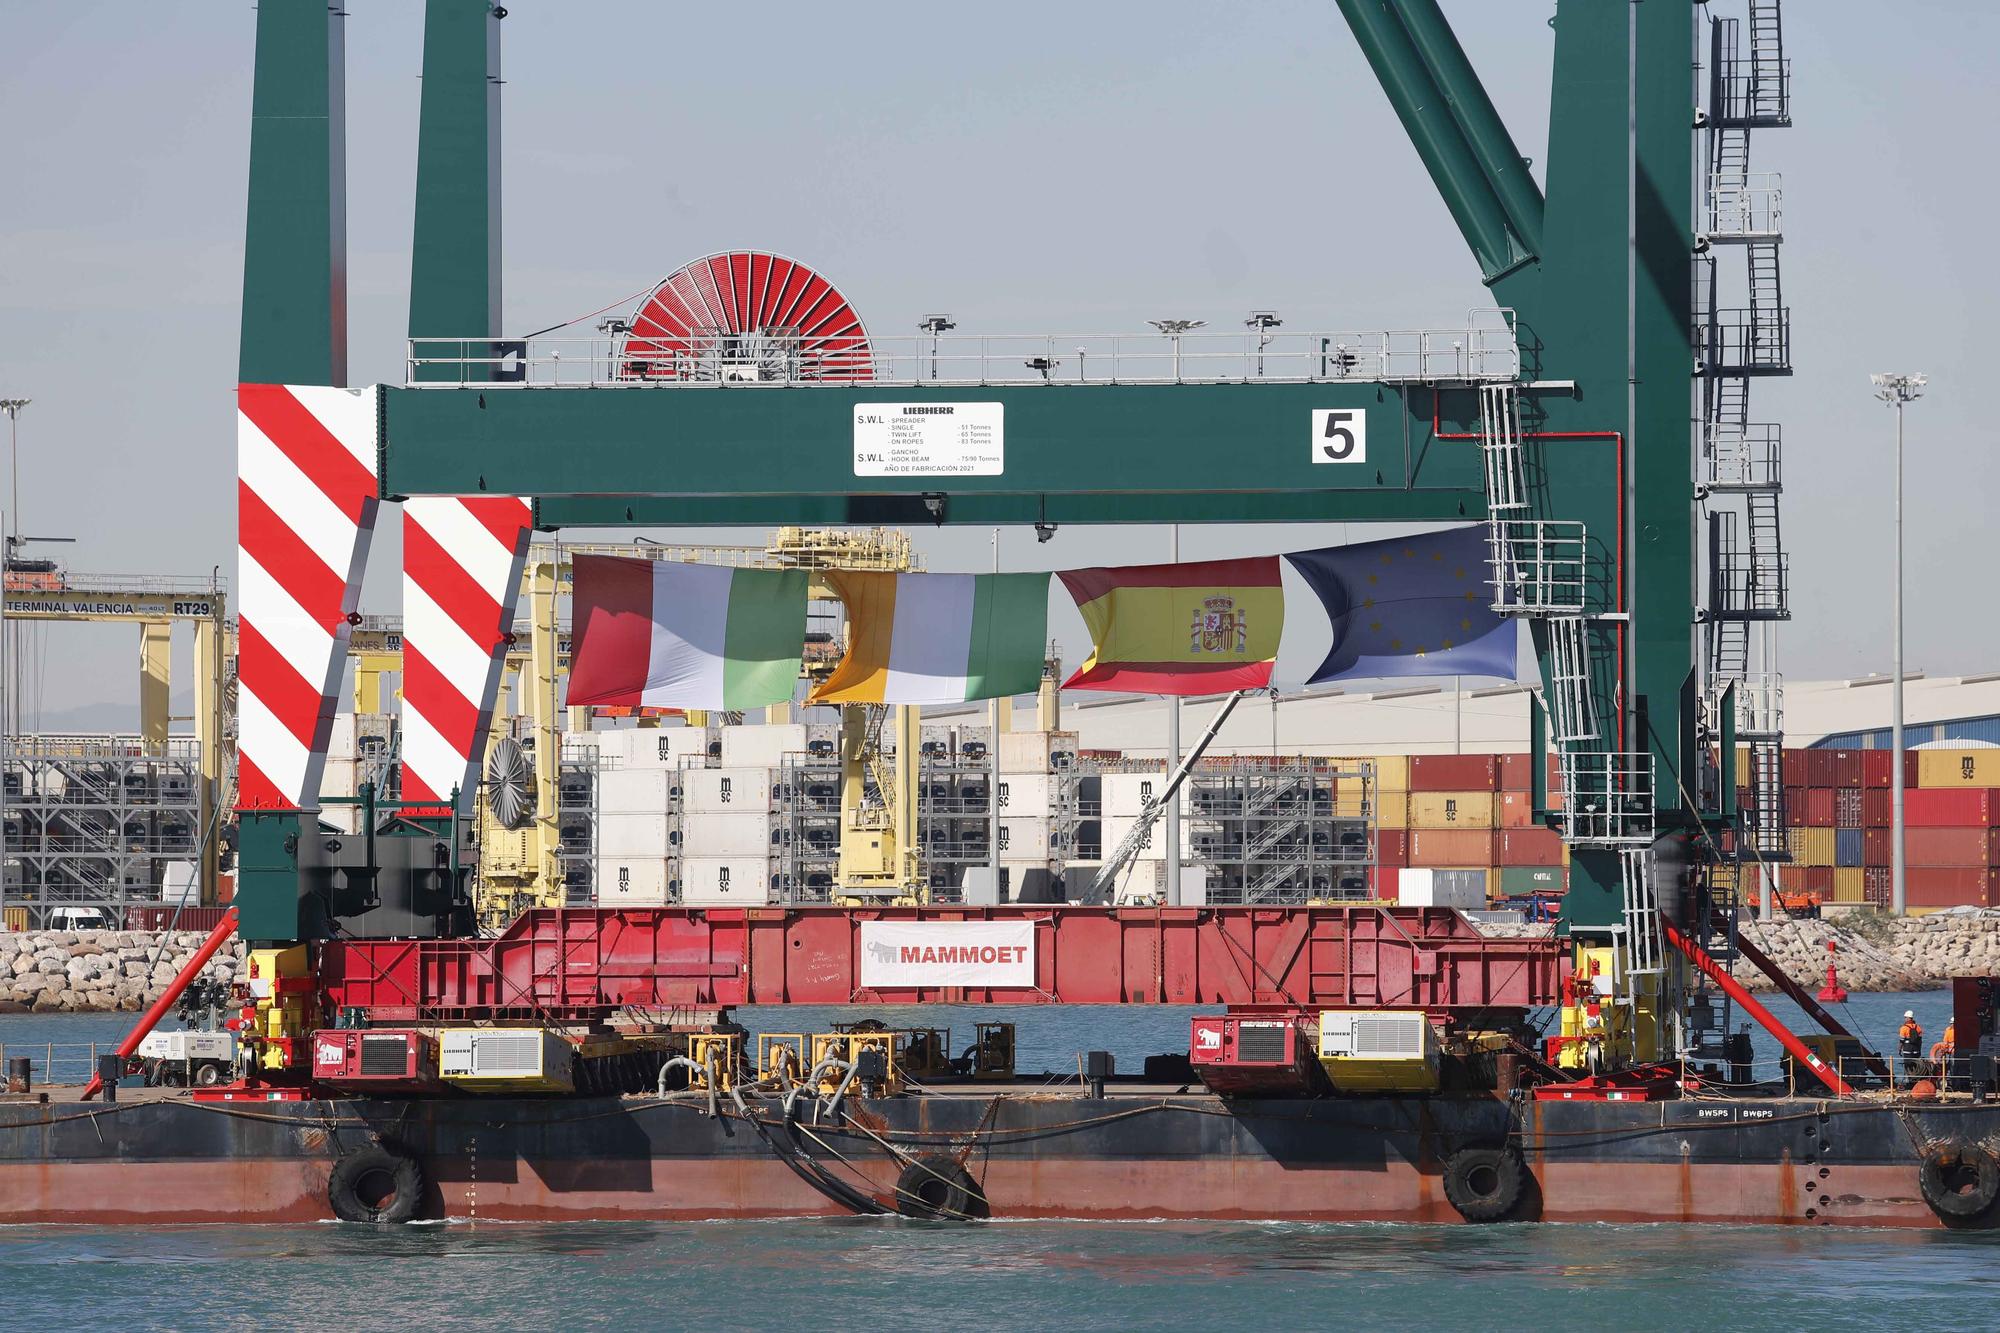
[{"x": 897, "y": 954}]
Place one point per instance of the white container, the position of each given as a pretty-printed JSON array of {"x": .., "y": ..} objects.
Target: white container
[
  {"x": 632, "y": 882},
  {"x": 822, "y": 740},
  {"x": 1024, "y": 839},
  {"x": 975, "y": 740},
  {"x": 180, "y": 885},
  {"x": 739, "y": 833},
  {"x": 1023, "y": 794},
  {"x": 1113, "y": 830},
  {"x": 1145, "y": 882},
  {"x": 624, "y": 836},
  {"x": 1036, "y": 751},
  {"x": 1419, "y": 887},
  {"x": 641, "y": 791},
  {"x": 1033, "y": 881},
  {"x": 762, "y": 746},
  {"x": 726, "y": 881},
  {"x": 1126, "y": 794},
  {"x": 340, "y": 741},
  {"x": 726, "y": 790}
]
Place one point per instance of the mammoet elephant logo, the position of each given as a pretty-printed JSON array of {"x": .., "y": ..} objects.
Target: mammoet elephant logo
[
  {"x": 882, "y": 953},
  {"x": 1219, "y": 626}
]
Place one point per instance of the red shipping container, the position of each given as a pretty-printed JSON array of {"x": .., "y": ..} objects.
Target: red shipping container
[
  {"x": 1813, "y": 879},
  {"x": 1794, "y": 768},
  {"x": 1875, "y": 806},
  {"x": 1822, "y": 768},
  {"x": 1382, "y": 882},
  {"x": 1951, "y": 886},
  {"x": 1454, "y": 772},
  {"x": 1848, "y": 808},
  {"x": 1795, "y": 803},
  {"x": 1451, "y": 847},
  {"x": 1529, "y": 847},
  {"x": 1951, "y": 807},
  {"x": 1873, "y": 878},
  {"x": 1910, "y": 769},
  {"x": 1517, "y": 809},
  {"x": 1875, "y": 847},
  {"x": 1878, "y": 768},
  {"x": 1816, "y": 811},
  {"x": 1847, "y": 767},
  {"x": 1392, "y": 846},
  {"x": 1951, "y": 846},
  {"x": 1517, "y": 772}
]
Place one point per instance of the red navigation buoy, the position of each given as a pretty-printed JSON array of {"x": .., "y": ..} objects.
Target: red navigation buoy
[{"x": 1832, "y": 992}]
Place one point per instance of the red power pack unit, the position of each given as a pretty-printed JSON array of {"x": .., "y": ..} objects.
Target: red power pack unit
[
  {"x": 1251, "y": 1055},
  {"x": 378, "y": 1059}
]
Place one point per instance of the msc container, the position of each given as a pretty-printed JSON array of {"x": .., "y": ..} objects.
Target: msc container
[
  {"x": 726, "y": 881},
  {"x": 762, "y": 746},
  {"x": 1126, "y": 794},
  {"x": 634, "y": 835},
  {"x": 1957, "y": 768},
  {"x": 1033, "y": 882},
  {"x": 1454, "y": 772},
  {"x": 1850, "y": 885},
  {"x": 1528, "y": 847},
  {"x": 1451, "y": 809},
  {"x": 635, "y": 790},
  {"x": 726, "y": 790},
  {"x": 1518, "y": 880},
  {"x": 1850, "y": 847},
  {"x": 1025, "y": 839},
  {"x": 1036, "y": 751},
  {"x": 1030, "y": 793},
  {"x": 736, "y": 833},
  {"x": 1463, "y": 888},
  {"x": 1951, "y": 846},
  {"x": 1392, "y": 809},
  {"x": 1451, "y": 847},
  {"x": 632, "y": 882},
  {"x": 1951, "y": 807}
]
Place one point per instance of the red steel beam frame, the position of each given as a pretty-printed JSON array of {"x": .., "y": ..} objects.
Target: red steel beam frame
[
  {"x": 1750, "y": 1005},
  {"x": 565, "y": 965}
]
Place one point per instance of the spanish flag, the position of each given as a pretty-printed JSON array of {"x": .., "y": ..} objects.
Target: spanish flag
[{"x": 1196, "y": 628}]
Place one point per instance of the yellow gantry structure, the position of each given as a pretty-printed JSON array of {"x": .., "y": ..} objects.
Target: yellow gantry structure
[{"x": 155, "y": 604}]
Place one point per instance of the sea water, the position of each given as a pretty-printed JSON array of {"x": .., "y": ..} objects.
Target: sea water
[{"x": 891, "y": 1274}]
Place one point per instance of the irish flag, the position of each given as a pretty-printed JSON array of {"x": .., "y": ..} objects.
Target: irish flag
[
  {"x": 938, "y": 638},
  {"x": 650, "y": 633},
  {"x": 1195, "y": 628}
]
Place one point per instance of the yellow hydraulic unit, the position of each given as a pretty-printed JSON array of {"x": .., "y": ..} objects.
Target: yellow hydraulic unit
[
  {"x": 849, "y": 1047},
  {"x": 1609, "y": 1020},
  {"x": 781, "y": 1055},
  {"x": 718, "y": 1051},
  {"x": 1378, "y": 1050},
  {"x": 993, "y": 1050},
  {"x": 284, "y": 1015}
]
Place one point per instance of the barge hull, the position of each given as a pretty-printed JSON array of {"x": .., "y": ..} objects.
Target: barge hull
[{"x": 1382, "y": 1159}]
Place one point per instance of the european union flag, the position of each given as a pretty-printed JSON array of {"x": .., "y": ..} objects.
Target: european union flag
[{"x": 1414, "y": 606}]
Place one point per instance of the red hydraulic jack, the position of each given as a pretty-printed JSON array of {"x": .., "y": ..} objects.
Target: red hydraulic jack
[{"x": 151, "y": 1018}]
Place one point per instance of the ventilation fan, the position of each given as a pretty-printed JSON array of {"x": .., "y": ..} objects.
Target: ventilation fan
[{"x": 510, "y": 784}]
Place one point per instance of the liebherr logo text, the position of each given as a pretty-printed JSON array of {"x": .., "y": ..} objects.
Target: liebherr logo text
[
  {"x": 926, "y": 411},
  {"x": 961, "y": 953}
]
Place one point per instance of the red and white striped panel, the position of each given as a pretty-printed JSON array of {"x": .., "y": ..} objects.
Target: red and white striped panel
[
  {"x": 462, "y": 558},
  {"x": 305, "y": 509}
]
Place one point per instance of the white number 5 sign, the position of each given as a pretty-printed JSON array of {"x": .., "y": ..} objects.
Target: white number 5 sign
[{"x": 1339, "y": 436}]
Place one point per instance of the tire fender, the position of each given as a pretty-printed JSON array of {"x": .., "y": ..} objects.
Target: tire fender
[
  {"x": 938, "y": 1187},
  {"x": 1486, "y": 1182},
  {"x": 375, "y": 1184},
  {"x": 1960, "y": 1179}
]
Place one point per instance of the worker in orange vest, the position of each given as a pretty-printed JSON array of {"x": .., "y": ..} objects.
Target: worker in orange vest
[
  {"x": 1910, "y": 1045},
  {"x": 1942, "y": 1052}
]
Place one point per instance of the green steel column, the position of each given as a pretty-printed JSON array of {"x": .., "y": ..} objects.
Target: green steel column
[
  {"x": 1505, "y": 169},
  {"x": 1422, "y": 107},
  {"x": 455, "y": 252},
  {"x": 294, "y": 328}
]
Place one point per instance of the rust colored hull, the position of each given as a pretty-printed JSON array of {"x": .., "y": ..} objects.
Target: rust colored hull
[{"x": 1119, "y": 1157}]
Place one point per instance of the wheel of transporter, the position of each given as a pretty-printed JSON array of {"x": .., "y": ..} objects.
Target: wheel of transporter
[
  {"x": 938, "y": 1187},
  {"x": 375, "y": 1184},
  {"x": 207, "y": 1076},
  {"x": 1486, "y": 1183},
  {"x": 1960, "y": 1179}
]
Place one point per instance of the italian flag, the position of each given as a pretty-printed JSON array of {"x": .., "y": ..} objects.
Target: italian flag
[
  {"x": 1196, "y": 628},
  {"x": 938, "y": 638},
  {"x": 650, "y": 633}
]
